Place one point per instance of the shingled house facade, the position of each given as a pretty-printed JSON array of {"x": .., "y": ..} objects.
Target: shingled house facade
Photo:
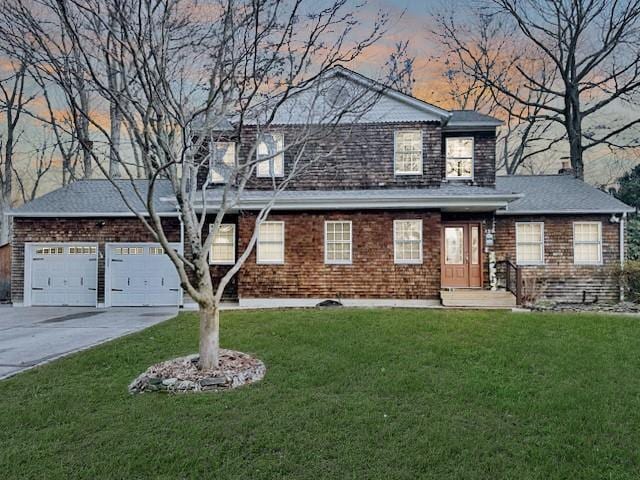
[{"x": 407, "y": 210}]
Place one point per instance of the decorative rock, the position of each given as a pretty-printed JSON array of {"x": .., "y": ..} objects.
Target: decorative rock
[
  {"x": 182, "y": 374},
  {"x": 622, "y": 307}
]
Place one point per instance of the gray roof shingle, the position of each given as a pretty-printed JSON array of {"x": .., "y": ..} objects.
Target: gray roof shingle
[
  {"x": 470, "y": 118},
  {"x": 557, "y": 194},
  {"x": 540, "y": 194},
  {"x": 97, "y": 197}
]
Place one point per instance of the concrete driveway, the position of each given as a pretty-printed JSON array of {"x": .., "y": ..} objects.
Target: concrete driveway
[{"x": 31, "y": 336}]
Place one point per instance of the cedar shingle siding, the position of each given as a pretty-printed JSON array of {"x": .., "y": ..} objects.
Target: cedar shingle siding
[
  {"x": 559, "y": 278},
  {"x": 362, "y": 156},
  {"x": 372, "y": 273}
]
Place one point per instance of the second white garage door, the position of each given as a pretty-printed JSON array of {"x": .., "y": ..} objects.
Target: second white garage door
[{"x": 140, "y": 274}]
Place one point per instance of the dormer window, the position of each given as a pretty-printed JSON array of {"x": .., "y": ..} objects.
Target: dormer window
[
  {"x": 222, "y": 161},
  {"x": 459, "y": 157},
  {"x": 270, "y": 147},
  {"x": 408, "y": 152}
]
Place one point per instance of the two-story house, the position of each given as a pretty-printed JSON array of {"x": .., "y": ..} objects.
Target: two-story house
[{"x": 407, "y": 210}]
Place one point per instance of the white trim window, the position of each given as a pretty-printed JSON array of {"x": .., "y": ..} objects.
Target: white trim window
[
  {"x": 270, "y": 249},
  {"x": 337, "y": 242},
  {"x": 407, "y": 241},
  {"x": 222, "y": 161},
  {"x": 223, "y": 246},
  {"x": 587, "y": 243},
  {"x": 530, "y": 243},
  {"x": 459, "y": 162},
  {"x": 407, "y": 152},
  {"x": 271, "y": 147}
]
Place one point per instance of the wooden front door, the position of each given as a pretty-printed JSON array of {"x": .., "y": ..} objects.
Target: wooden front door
[{"x": 461, "y": 255}]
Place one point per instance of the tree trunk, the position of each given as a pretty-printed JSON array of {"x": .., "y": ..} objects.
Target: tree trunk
[{"x": 209, "y": 336}]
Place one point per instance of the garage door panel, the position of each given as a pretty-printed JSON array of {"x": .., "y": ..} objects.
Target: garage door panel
[
  {"x": 61, "y": 278},
  {"x": 140, "y": 277}
]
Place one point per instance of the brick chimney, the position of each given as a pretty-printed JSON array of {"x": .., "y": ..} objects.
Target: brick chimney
[{"x": 566, "y": 168}]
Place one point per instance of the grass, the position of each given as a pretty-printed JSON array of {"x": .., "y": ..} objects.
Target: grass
[{"x": 349, "y": 394}]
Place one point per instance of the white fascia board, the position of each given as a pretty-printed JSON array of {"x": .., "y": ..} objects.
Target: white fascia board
[
  {"x": 607, "y": 211},
  {"x": 488, "y": 202},
  {"x": 84, "y": 214}
]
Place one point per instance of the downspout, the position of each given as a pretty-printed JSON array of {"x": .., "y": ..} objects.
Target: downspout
[{"x": 622, "y": 224}]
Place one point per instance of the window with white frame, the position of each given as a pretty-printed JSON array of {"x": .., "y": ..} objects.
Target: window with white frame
[
  {"x": 587, "y": 243},
  {"x": 222, "y": 161},
  {"x": 408, "y": 152},
  {"x": 407, "y": 241},
  {"x": 270, "y": 147},
  {"x": 530, "y": 243},
  {"x": 82, "y": 250},
  {"x": 337, "y": 242},
  {"x": 223, "y": 246},
  {"x": 459, "y": 162},
  {"x": 270, "y": 242}
]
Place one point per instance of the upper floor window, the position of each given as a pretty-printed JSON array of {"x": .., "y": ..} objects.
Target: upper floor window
[
  {"x": 337, "y": 242},
  {"x": 459, "y": 152},
  {"x": 587, "y": 243},
  {"x": 223, "y": 247},
  {"x": 530, "y": 243},
  {"x": 271, "y": 242},
  {"x": 270, "y": 147},
  {"x": 222, "y": 161},
  {"x": 408, "y": 152},
  {"x": 407, "y": 239}
]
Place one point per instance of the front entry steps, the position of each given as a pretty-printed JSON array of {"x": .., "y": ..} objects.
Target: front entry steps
[{"x": 477, "y": 298}]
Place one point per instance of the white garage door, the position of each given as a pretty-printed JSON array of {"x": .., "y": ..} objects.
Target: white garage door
[
  {"x": 63, "y": 274},
  {"x": 141, "y": 275}
]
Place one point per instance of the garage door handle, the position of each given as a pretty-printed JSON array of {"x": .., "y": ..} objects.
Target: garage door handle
[
  {"x": 173, "y": 289},
  {"x": 36, "y": 288},
  {"x": 162, "y": 282},
  {"x": 128, "y": 281},
  {"x": 116, "y": 260},
  {"x": 93, "y": 289},
  {"x": 115, "y": 289},
  {"x": 82, "y": 281},
  {"x": 49, "y": 282}
]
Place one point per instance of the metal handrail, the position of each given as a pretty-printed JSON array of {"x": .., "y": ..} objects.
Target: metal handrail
[{"x": 513, "y": 279}]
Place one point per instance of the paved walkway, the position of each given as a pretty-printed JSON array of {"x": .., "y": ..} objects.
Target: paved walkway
[{"x": 30, "y": 336}]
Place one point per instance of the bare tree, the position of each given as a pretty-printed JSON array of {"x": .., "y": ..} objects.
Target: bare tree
[
  {"x": 194, "y": 73},
  {"x": 34, "y": 167},
  {"x": 568, "y": 60},
  {"x": 524, "y": 136},
  {"x": 13, "y": 101},
  {"x": 400, "y": 69}
]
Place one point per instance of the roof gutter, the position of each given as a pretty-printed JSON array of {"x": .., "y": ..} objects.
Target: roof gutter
[
  {"x": 85, "y": 214},
  {"x": 564, "y": 212},
  {"x": 483, "y": 202}
]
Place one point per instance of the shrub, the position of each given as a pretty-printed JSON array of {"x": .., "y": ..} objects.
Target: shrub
[{"x": 629, "y": 278}]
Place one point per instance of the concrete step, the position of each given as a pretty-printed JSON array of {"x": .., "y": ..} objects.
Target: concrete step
[{"x": 477, "y": 298}]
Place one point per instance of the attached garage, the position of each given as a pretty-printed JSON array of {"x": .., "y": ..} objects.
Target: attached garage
[
  {"x": 140, "y": 274},
  {"x": 61, "y": 274}
]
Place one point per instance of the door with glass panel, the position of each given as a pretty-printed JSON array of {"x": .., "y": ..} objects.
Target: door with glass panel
[{"x": 461, "y": 255}]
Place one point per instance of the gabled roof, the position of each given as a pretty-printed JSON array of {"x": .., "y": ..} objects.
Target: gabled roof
[
  {"x": 97, "y": 197},
  {"x": 557, "y": 194}
]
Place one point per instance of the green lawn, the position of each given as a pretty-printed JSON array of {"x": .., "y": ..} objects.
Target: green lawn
[{"x": 349, "y": 394}]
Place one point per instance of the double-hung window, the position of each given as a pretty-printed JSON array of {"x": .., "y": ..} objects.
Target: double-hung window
[
  {"x": 587, "y": 243},
  {"x": 337, "y": 242},
  {"x": 408, "y": 152},
  {"x": 459, "y": 162},
  {"x": 407, "y": 241},
  {"x": 223, "y": 246},
  {"x": 222, "y": 161},
  {"x": 270, "y": 243},
  {"x": 530, "y": 243},
  {"x": 270, "y": 155}
]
